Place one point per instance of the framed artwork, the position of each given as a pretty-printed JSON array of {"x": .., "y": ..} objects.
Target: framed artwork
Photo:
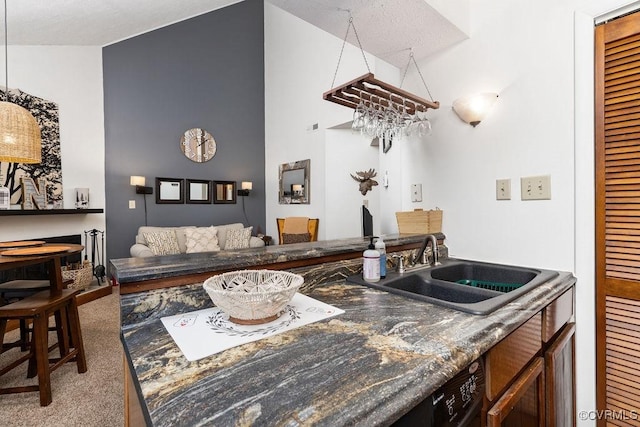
[
  {"x": 199, "y": 191},
  {"x": 224, "y": 192},
  {"x": 169, "y": 190}
]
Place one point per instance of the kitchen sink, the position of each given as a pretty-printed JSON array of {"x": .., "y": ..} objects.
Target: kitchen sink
[
  {"x": 470, "y": 286},
  {"x": 500, "y": 278}
]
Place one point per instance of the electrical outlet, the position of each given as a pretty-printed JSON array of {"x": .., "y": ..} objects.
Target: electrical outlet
[
  {"x": 535, "y": 187},
  {"x": 416, "y": 192},
  {"x": 503, "y": 189},
  {"x": 132, "y": 204}
]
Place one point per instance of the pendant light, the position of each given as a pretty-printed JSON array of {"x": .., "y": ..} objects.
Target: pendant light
[{"x": 19, "y": 131}]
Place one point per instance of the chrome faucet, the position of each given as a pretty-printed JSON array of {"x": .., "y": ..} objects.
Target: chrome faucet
[
  {"x": 399, "y": 264},
  {"x": 421, "y": 255}
]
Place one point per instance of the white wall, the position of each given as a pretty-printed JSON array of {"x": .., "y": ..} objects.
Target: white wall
[
  {"x": 300, "y": 63},
  {"x": 72, "y": 77},
  {"x": 345, "y": 155},
  {"x": 539, "y": 57},
  {"x": 529, "y": 132}
]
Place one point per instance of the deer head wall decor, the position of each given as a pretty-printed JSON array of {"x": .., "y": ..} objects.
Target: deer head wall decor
[{"x": 366, "y": 180}]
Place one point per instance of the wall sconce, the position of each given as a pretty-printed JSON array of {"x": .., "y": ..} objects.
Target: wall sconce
[
  {"x": 473, "y": 109},
  {"x": 245, "y": 188},
  {"x": 139, "y": 183}
]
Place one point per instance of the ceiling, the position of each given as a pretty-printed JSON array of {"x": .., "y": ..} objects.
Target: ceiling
[{"x": 387, "y": 28}]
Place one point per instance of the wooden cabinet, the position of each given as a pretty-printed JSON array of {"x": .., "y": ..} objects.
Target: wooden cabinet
[
  {"x": 510, "y": 356},
  {"x": 133, "y": 415},
  {"x": 559, "y": 361},
  {"x": 530, "y": 373},
  {"x": 522, "y": 404}
]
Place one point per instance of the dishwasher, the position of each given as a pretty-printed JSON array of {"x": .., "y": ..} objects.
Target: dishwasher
[{"x": 458, "y": 403}]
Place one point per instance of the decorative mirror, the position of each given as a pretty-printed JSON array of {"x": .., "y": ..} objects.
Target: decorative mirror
[
  {"x": 169, "y": 190},
  {"x": 224, "y": 192},
  {"x": 294, "y": 182},
  {"x": 198, "y": 191}
]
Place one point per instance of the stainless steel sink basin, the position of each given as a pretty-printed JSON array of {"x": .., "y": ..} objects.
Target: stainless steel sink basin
[{"x": 470, "y": 286}]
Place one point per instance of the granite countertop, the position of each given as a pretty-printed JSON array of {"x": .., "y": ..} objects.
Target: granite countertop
[
  {"x": 127, "y": 270},
  {"x": 368, "y": 366}
]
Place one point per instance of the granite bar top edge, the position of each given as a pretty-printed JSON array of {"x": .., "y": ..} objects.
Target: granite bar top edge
[{"x": 128, "y": 270}]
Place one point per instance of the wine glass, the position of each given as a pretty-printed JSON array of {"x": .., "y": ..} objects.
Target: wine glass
[{"x": 359, "y": 115}]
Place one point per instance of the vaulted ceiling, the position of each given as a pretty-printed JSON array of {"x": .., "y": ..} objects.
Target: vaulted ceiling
[{"x": 387, "y": 28}]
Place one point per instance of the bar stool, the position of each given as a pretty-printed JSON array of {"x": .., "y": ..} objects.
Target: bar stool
[
  {"x": 21, "y": 288},
  {"x": 17, "y": 290},
  {"x": 38, "y": 308}
]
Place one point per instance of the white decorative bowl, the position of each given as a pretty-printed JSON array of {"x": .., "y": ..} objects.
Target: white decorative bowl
[{"x": 251, "y": 297}]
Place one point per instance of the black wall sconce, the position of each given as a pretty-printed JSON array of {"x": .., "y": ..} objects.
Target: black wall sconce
[
  {"x": 245, "y": 188},
  {"x": 139, "y": 183}
]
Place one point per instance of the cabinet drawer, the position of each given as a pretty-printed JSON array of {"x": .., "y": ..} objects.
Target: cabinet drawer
[
  {"x": 556, "y": 315},
  {"x": 506, "y": 359}
]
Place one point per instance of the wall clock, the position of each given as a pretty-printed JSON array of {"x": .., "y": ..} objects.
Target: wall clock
[{"x": 198, "y": 145}]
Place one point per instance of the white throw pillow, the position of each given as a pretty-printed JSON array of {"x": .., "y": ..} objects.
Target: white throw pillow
[
  {"x": 162, "y": 242},
  {"x": 202, "y": 239},
  {"x": 238, "y": 239}
]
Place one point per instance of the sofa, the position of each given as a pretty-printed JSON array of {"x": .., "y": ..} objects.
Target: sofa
[{"x": 153, "y": 241}]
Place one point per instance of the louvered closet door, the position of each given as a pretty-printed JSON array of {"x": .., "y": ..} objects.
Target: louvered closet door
[{"x": 617, "y": 106}]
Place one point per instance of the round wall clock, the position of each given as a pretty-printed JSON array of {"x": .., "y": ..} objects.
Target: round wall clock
[{"x": 198, "y": 145}]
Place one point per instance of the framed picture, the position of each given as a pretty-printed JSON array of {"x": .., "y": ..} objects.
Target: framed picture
[
  {"x": 82, "y": 198},
  {"x": 198, "y": 191},
  {"x": 294, "y": 180},
  {"x": 224, "y": 192},
  {"x": 169, "y": 190}
]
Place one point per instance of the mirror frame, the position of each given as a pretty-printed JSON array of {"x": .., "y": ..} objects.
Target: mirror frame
[
  {"x": 159, "y": 198},
  {"x": 199, "y": 181},
  {"x": 217, "y": 200},
  {"x": 306, "y": 197}
]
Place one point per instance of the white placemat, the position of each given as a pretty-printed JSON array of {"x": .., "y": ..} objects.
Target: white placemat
[{"x": 205, "y": 332}]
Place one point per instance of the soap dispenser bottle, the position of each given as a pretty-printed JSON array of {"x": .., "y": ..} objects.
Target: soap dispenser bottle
[
  {"x": 382, "y": 250},
  {"x": 371, "y": 263}
]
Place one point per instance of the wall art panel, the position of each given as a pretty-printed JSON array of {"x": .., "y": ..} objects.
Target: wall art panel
[{"x": 46, "y": 114}]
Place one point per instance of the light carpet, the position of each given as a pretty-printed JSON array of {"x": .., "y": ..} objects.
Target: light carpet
[{"x": 94, "y": 398}]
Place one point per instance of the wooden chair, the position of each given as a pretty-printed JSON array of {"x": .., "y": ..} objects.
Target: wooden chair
[
  {"x": 15, "y": 290},
  {"x": 38, "y": 308},
  {"x": 312, "y": 228}
]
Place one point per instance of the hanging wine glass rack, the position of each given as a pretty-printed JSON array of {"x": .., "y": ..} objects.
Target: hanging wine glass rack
[{"x": 370, "y": 91}]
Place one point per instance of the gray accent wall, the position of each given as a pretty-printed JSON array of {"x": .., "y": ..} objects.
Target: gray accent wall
[{"x": 205, "y": 72}]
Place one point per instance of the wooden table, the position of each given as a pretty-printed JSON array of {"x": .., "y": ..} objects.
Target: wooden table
[{"x": 52, "y": 262}]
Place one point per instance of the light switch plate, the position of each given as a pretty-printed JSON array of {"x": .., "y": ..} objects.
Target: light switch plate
[
  {"x": 503, "y": 189},
  {"x": 535, "y": 187},
  {"x": 416, "y": 192},
  {"x": 132, "y": 204}
]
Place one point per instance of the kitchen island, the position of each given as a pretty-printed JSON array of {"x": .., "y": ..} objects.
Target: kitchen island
[{"x": 368, "y": 366}]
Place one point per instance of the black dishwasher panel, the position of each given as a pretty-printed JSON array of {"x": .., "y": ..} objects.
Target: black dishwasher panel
[{"x": 457, "y": 403}]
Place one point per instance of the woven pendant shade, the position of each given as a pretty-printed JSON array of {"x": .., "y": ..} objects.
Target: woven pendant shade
[{"x": 19, "y": 135}]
